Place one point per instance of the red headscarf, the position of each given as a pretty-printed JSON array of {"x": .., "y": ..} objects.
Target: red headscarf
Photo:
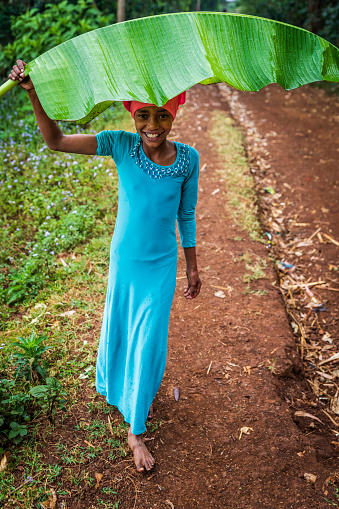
[{"x": 171, "y": 106}]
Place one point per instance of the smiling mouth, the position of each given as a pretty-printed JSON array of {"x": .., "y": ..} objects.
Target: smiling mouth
[{"x": 152, "y": 136}]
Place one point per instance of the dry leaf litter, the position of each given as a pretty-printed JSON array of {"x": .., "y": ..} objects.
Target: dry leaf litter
[{"x": 317, "y": 340}]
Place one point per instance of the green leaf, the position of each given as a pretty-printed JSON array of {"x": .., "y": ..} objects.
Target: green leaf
[
  {"x": 41, "y": 371},
  {"x": 153, "y": 59},
  {"x": 53, "y": 383},
  {"x": 17, "y": 430},
  {"x": 39, "y": 391}
]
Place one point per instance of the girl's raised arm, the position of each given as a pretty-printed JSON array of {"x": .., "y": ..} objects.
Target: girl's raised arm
[{"x": 51, "y": 132}]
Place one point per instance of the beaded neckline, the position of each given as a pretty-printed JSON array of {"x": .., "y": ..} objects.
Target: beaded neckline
[{"x": 155, "y": 171}]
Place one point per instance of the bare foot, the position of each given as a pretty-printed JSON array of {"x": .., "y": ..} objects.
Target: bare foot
[
  {"x": 150, "y": 413},
  {"x": 143, "y": 459}
]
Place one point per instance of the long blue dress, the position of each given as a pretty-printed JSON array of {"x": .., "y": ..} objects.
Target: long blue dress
[{"x": 142, "y": 273}]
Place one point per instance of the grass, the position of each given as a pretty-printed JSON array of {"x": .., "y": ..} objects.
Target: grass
[
  {"x": 56, "y": 224},
  {"x": 255, "y": 292},
  {"x": 239, "y": 183},
  {"x": 255, "y": 267},
  {"x": 72, "y": 458},
  {"x": 54, "y": 203}
]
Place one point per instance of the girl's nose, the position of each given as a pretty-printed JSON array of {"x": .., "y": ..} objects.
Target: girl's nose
[{"x": 153, "y": 122}]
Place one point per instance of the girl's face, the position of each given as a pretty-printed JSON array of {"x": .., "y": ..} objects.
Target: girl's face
[{"x": 153, "y": 124}]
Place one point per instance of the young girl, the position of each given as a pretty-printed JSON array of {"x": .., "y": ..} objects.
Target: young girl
[{"x": 158, "y": 183}]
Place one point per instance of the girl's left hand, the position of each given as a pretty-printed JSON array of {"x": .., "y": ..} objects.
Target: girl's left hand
[{"x": 192, "y": 290}]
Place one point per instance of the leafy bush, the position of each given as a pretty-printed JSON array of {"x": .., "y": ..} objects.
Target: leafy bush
[
  {"x": 318, "y": 17},
  {"x": 14, "y": 411},
  {"x": 24, "y": 283},
  {"x": 20, "y": 400},
  {"x": 50, "y": 396},
  {"x": 36, "y": 32},
  {"x": 330, "y": 20},
  {"x": 29, "y": 364}
]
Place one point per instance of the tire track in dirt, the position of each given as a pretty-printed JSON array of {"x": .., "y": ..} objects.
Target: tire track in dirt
[{"x": 221, "y": 353}]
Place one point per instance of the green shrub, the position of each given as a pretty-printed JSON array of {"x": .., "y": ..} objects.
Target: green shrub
[
  {"x": 24, "y": 283},
  {"x": 36, "y": 32},
  {"x": 20, "y": 399},
  {"x": 319, "y": 17},
  {"x": 28, "y": 361},
  {"x": 50, "y": 396},
  {"x": 14, "y": 411}
]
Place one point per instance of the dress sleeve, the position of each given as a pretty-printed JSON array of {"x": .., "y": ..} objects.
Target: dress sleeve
[
  {"x": 114, "y": 143},
  {"x": 188, "y": 201}
]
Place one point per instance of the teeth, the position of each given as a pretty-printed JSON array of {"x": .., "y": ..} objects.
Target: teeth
[{"x": 149, "y": 135}]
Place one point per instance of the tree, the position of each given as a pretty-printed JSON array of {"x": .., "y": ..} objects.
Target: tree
[
  {"x": 121, "y": 11},
  {"x": 318, "y": 16}
]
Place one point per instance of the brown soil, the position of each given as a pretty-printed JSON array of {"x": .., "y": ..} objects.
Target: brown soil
[{"x": 234, "y": 359}]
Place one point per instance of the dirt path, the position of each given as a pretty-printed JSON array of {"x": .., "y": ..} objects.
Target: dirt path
[
  {"x": 293, "y": 145},
  {"x": 234, "y": 359},
  {"x": 221, "y": 353}
]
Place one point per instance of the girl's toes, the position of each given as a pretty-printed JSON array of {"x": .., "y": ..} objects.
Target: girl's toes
[{"x": 150, "y": 463}]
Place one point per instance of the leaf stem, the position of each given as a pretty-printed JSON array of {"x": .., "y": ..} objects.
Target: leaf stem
[{"x": 7, "y": 86}]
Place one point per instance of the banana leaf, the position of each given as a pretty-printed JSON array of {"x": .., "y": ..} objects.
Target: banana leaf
[{"x": 154, "y": 59}]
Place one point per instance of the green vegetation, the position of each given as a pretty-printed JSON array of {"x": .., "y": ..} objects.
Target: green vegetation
[
  {"x": 61, "y": 20},
  {"x": 239, "y": 184},
  {"x": 255, "y": 292},
  {"x": 322, "y": 18},
  {"x": 49, "y": 328},
  {"x": 50, "y": 396},
  {"x": 35, "y": 32},
  {"x": 241, "y": 196},
  {"x": 53, "y": 203},
  {"x": 28, "y": 361},
  {"x": 256, "y": 269}
]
